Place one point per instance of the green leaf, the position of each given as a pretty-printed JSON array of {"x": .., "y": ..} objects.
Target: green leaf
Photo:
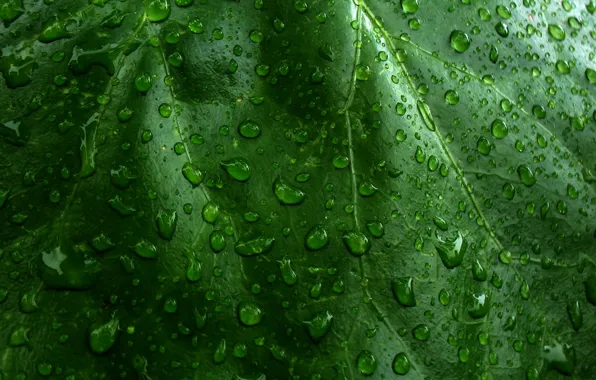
[{"x": 306, "y": 189}]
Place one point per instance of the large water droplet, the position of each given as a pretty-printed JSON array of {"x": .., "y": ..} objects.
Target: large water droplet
[
  {"x": 316, "y": 238},
  {"x": 166, "y": 221},
  {"x": 367, "y": 363},
  {"x": 157, "y": 10},
  {"x": 451, "y": 249},
  {"x": 575, "y": 315},
  {"x": 237, "y": 168},
  {"x": 421, "y": 332},
  {"x": 556, "y": 32},
  {"x": 403, "y": 291},
  {"x": 286, "y": 193},
  {"x": 319, "y": 326},
  {"x": 460, "y": 42},
  {"x": 254, "y": 245},
  {"x": 249, "y": 314},
  {"x": 217, "y": 240},
  {"x": 28, "y": 302},
  {"x": 193, "y": 174},
  {"x": 146, "y": 249},
  {"x": 526, "y": 175},
  {"x": 210, "y": 212},
  {"x": 287, "y": 273},
  {"x": 356, "y": 242},
  {"x": 480, "y": 305},
  {"x": 401, "y": 364},
  {"x": 104, "y": 336},
  {"x": 219, "y": 356},
  {"x": 249, "y": 129},
  {"x": 427, "y": 117},
  {"x": 560, "y": 357}
]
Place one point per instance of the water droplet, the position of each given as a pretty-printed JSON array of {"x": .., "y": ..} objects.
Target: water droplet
[
  {"x": 451, "y": 250},
  {"x": 319, "y": 326},
  {"x": 401, "y": 364},
  {"x": 401, "y": 135},
  {"x": 526, "y": 175},
  {"x": 287, "y": 273},
  {"x": 165, "y": 110},
  {"x": 301, "y": 6},
  {"x": 193, "y": 271},
  {"x": 166, "y": 221},
  {"x": 451, "y": 97},
  {"x": 367, "y": 189},
  {"x": 217, "y": 240},
  {"x": 524, "y": 290},
  {"x": 316, "y": 238},
  {"x": 441, "y": 223},
  {"x": 480, "y": 305},
  {"x": 249, "y": 314},
  {"x": 376, "y": 229},
  {"x": 484, "y": 14},
  {"x": 363, "y": 72},
  {"x": 53, "y": 30},
  {"x": 427, "y": 117},
  {"x": 499, "y": 129},
  {"x": 483, "y": 146},
  {"x": 367, "y": 363},
  {"x": 196, "y": 26},
  {"x": 157, "y": 10},
  {"x": 409, "y": 6},
  {"x": 577, "y": 123},
  {"x": 403, "y": 291},
  {"x": 340, "y": 161},
  {"x": 102, "y": 243},
  {"x": 590, "y": 75},
  {"x": 560, "y": 357},
  {"x": 170, "y": 305},
  {"x": 237, "y": 168},
  {"x": 145, "y": 249},
  {"x": 249, "y": 129},
  {"x": 254, "y": 245},
  {"x": 493, "y": 54},
  {"x": 556, "y": 32},
  {"x": 478, "y": 271},
  {"x": 444, "y": 297},
  {"x": 210, "y": 212},
  {"x": 502, "y": 29},
  {"x": 19, "y": 336},
  {"x": 143, "y": 82},
  {"x": 219, "y": 356},
  {"x": 45, "y": 369},
  {"x": 421, "y": 332},
  {"x": 117, "y": 204},
  {"x": 356, "y": 242},
  {"x": 28, "y": 303},
  {"x": 286, "y": 193},
  {"x": 193, "y": 174},
  {"x": 575, "y": 315},
  {"x": 256, "y": 36},
  {"x": 460, "y": 42},
  {"x": 104, "y": 336},
  {"x": 420, "y": 155},
  {"x": 508, "y": 191}
]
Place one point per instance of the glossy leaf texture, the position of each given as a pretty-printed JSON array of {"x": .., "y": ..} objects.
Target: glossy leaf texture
[{"x": 270, "y": 189}]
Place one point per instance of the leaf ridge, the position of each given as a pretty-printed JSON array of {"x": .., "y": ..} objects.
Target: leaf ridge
[
  {"x": 493, "y": 86},
  {"x": 462, "y": 180},
  {"x": 175, "y": 113},
  {"x": 346, "y": 111}
]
